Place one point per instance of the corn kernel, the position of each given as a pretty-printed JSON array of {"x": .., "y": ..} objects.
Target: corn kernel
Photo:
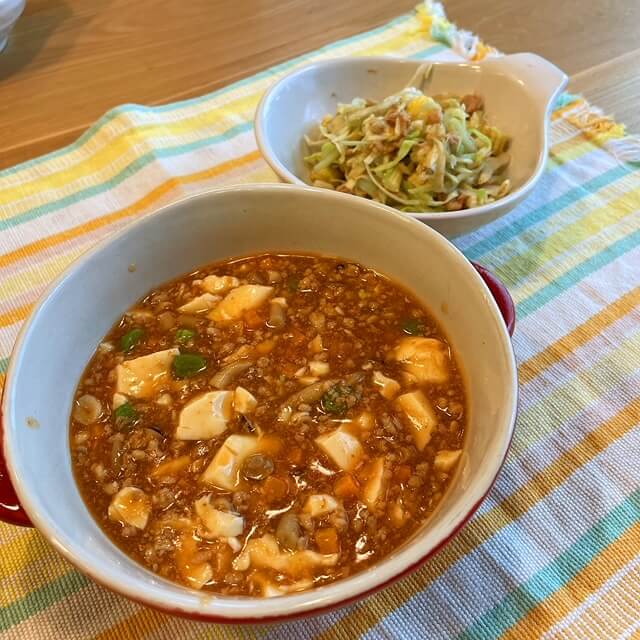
[{"x": 416, "y": 105}]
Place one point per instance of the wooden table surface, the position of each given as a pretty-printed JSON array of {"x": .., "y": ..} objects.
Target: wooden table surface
[{"x": 69, "y": 61}]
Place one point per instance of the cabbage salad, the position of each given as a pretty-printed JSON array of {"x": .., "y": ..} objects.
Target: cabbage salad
[{"x": 412, "y": 151}]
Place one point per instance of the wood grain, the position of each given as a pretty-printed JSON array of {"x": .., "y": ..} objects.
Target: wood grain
[
  {"x": 69, "y": 61},
  {"x": 597, "y": 43},
  {"x": 574, "y": 34}
]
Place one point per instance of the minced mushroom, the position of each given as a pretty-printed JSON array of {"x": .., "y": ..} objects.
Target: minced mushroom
[
  {"x": 227, "y": 375},
  {"x": 87, "y": 409},
  {"x": 288, "y": 532},
  {"x": 257, "y": 467},
  {"x": 277, "y": 314}
]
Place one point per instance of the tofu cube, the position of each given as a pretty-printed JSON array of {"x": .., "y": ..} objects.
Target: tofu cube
[
  {"x": 130, "y": 506},
  {"x": 342, "y": 447},
  {"x": 200, "y": 304},
  {"x": 424, "y": 360},
  {"x": 224, "y": 470},
  {"x": 373, "y": 488},
  {"x": 244, "y": 401},
  {"x": 420, "y": 415},
  {"x": 319, "y": 505},
  {"x": 142, "y": 377},
  {"x": 219, "y": 284},
  {"x": 446, "y": 459},
  {"x": 239, "y": 300},
  {"x": 218, "y": 524},
  {"x": 388, "y": 387},
  {"x": 206, "y": 416}
]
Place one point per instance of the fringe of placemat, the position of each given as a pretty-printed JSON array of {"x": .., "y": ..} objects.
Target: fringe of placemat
[
  {"x": 599, "y": 128},
  {"x": 432, "y": 19},
  {"x": 605, "y": 131}
]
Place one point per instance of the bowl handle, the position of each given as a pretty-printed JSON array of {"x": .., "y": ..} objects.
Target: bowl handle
[
  {"x": 501, "y": 295},
  {"x": 543, "y": 77},
  {"x": 11, "y": 510}
]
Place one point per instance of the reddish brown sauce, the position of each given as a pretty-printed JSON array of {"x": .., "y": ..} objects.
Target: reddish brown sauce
[{"x": 302, "y": 419}]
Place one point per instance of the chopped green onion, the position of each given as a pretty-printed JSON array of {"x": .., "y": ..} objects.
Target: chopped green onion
[
  {"x": 337, "y": 399},
  {"x": 413, "y": 327},
  {"x": 130, "y": 339},
  {"x": 126, "y": 412},
  {"x": 187, "y": 365},
  {"x": 292, "y": 284},
  {"x": 184, "y": 336}
]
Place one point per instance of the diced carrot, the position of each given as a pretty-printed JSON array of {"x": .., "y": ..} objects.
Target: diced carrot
[
  {"x": 222, "y": 559},
  {"x": 96, "y": 430},
  {"x": 297, "y": 337},
  {"x": 295, "y": 456},
  {"x": 327, "y": 540},
  {"x": 402, "y": 473},
  {"x": 346, "y": 486},
  {"x": 289, "y": 368},
  {"x": 256, "y": 503},
  {"x": 265, "y": 347},
  {"x": 253, "y": 319},
  {"x": 171, "y": 467},
  {"x": 275, "y": 488}
]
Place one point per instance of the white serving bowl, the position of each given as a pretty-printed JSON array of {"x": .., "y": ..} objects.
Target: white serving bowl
[
  {"x": 75, "y": 313},
  {"x": 518, "y": 90}
]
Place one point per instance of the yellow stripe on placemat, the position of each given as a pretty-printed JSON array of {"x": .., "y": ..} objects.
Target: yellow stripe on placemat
[
  {"x": 37, "y": 276},
  {"x": 134, "y": 626},
  {"x": 547, "y": 249},
  {"x": 125, "y": 148},
  {"x": 137, "y": 207},
  {"x": 28, "y": 544},
  {"x": 38, "y": 571},
  {"x": 597, "y": 572},
  {"x": 568, "y": 108},
  {"x": 15, "y": 315},
  {"x": 579, "y": 336},
  {"x": 121, "y": 148},
  {"x": 610, "y": 612}
]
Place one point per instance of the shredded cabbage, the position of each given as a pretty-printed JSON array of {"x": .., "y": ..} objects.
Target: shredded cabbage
[{"x": 412, "y": 151}]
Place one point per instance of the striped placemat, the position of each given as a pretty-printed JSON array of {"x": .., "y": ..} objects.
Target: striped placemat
[{"x": 554, "y": 551}]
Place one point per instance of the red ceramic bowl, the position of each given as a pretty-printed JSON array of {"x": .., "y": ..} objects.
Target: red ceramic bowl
[{"x": 79, "y": 308}]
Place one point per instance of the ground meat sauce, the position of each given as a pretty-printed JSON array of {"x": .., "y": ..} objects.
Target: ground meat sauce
[{"x": 268, "y": 424}]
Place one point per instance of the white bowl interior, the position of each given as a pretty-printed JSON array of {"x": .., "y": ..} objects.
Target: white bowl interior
[
  {"x": 63, "y": 333},
  {"x": 299, "y": 103}
]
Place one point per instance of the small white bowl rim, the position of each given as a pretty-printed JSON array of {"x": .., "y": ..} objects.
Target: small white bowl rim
[
  {"x": 257, "y": 610},
  {"x": 266, "y": 149}
]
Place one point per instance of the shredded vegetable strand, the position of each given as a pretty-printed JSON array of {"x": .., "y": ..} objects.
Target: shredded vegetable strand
[{"x": 412, "y": 151}]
